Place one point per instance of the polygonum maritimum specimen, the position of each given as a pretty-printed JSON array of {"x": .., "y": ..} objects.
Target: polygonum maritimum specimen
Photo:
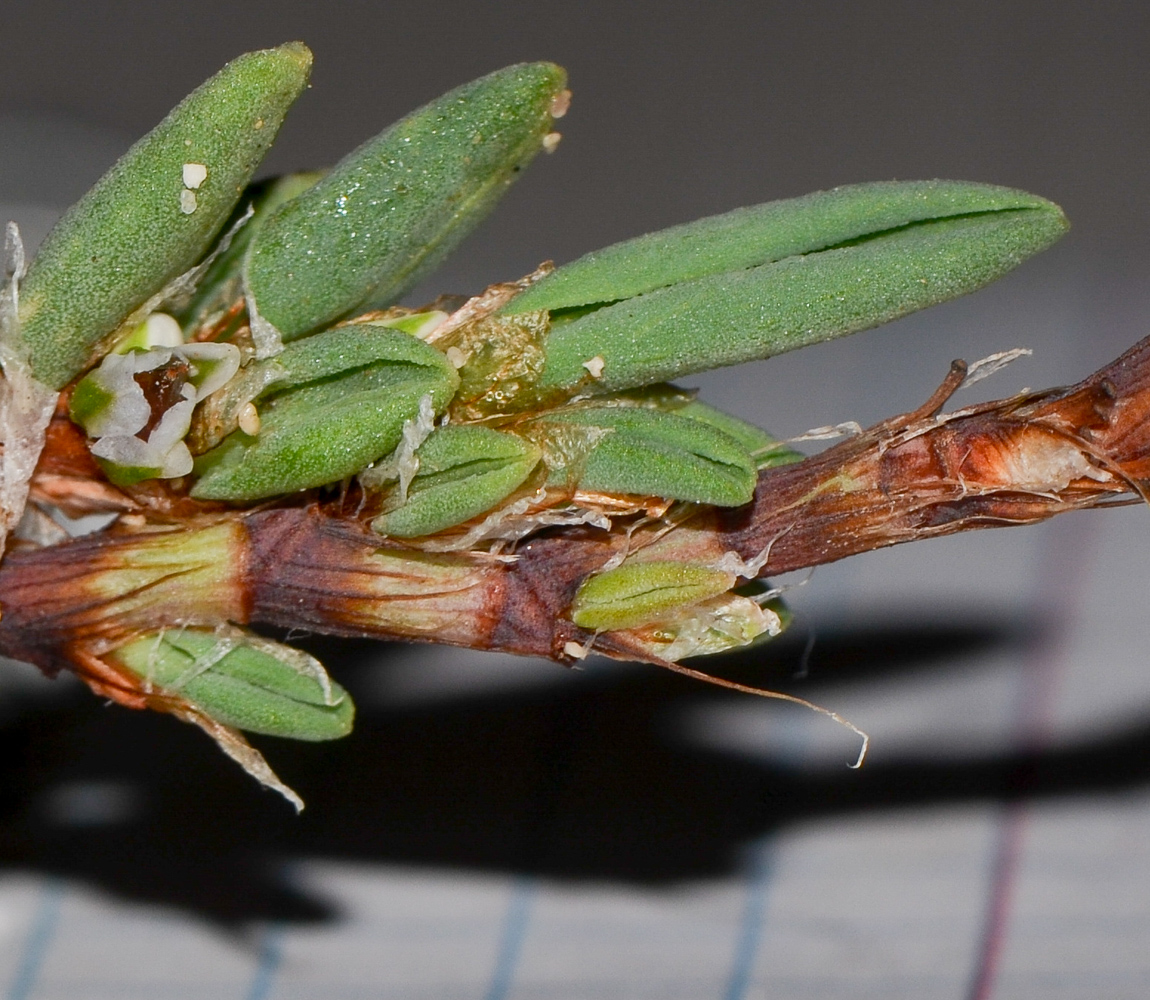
[{"x": 222, "y": 367}]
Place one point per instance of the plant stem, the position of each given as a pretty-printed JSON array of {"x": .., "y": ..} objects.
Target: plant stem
[{"x": 316, "y": 566}]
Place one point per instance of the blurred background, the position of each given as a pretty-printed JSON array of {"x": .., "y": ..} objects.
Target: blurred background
[{"x": 500, "y": 827}]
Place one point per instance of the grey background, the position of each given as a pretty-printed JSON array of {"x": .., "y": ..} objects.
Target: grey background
[{"x": 467, "y": 765}]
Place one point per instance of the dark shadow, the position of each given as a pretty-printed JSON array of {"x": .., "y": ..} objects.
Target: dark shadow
[{"x": 580, "y": 780}]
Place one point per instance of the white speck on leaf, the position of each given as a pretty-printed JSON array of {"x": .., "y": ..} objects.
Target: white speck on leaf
[
  {"x": 560, "y": 103},
  {"x": 249, "y": 419},
  {"x": 194, "y": 175},
  {"x": 595, "y": 366},
  {"x": 187, "y": 201}
]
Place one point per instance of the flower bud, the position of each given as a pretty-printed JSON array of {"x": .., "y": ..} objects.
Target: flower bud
[{"x": 137, "y": 406}]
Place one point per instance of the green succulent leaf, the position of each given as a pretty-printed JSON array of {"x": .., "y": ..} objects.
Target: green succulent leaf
[
  {"x": 156, "y": 212},
  {"x": 242, "y": 680},
  {"x": 222, "y": 285},
  {"x": 652, "y": 452},
  {"x": 767, "y": 450},
  {"x": 395, "y": 207},
  {"x": 759, "y": 234},
  {"x": 858, "y": 257},
  {"x": 463, "y": 472},
  {"x": 342, "y": 404}
]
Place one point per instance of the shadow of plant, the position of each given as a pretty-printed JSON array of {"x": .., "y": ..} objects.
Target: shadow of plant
[{"x": 579, "y": 780}]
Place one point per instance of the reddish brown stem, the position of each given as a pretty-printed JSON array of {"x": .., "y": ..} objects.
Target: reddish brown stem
[{"x": 927, "y": 474}]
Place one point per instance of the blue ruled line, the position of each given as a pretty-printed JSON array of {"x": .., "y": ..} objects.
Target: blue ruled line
[
  {"x": 44, "y": 925},
  {"x": 511, "y": 939},
  {"x": 753, "y": 921},
  {"x": 271, "y": 957}
]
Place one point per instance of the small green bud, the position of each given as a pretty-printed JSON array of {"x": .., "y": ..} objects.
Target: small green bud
[
  {"x": 155, "y": 213},
  {"x": 341, "y": 404},
  {"x": 635, "y": 594},
  {"x": 395, "y": 207},
  {"x": 463, "y": 472},
  {"x": 158, "y": 330},
  {"x": 418, "y": 324},
  {"x": 653, "y": 453},
  {"x": 242, "y": 680},
  {"x": 767, "y": 451}
]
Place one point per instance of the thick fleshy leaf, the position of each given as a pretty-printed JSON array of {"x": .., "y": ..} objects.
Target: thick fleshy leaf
[
  {"x": 651, "y": 452},
  {"x": 759, "y": 234},
  {"x": 463, "y": 472},
  {"x": 744, "y": 315},
  {"x": 156, "y": 212},
  {"x": 242, "y": 680},
  {"x": 392, "y": 209},
  {"x": 341, "y": 405},
  {"x": 222, "y": 286}
]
